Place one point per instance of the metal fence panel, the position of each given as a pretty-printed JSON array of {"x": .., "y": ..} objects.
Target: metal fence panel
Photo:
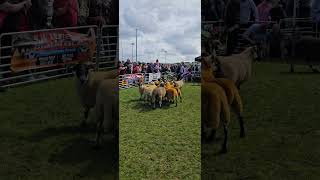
[{"x": 105, "y": 57}]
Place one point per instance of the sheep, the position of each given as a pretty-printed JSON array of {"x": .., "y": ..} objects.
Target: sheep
[
  {"x": 179, "y": 84},
  {"x": 158, "y": 94},
  {"x": 237, "y": 67},
  {"x": 172, "y": 95},
  {"x": 147, "y": 92},
  {"x": 232, "y": 93},
  {"x": 107, "y": 108},
  {"x": 141, "y": 89},
  {"x": 214, "y": 108},
  {"x": 86, "y": 83},
  {"x": 305, "y": 53}
]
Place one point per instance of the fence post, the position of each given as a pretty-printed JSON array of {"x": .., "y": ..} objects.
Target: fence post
[{"x": 99, "y": 40}]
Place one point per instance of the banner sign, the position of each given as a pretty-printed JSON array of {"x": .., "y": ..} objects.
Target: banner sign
[
  {"x": 133, "y": 78},
  {"x": 50, "y": 49}
]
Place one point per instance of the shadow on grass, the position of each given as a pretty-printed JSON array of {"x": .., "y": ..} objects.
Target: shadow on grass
[
  {"x": 299, "y": 73},
  {"x": 58, "y": 131},
  {"x": 145, "y": 107},
  {"x": 98, "y": 163}
]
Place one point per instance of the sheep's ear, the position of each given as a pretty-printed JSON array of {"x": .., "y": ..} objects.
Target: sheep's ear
[
  {"x": 90, "y": 65},
  {"x": 71, "y": 67}
]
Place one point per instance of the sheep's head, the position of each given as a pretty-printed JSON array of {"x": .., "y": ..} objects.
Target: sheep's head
[
  {"x": 208, "y": 61},
  {"x": 254, "y": 52},
  {"x": 161, "y": 84},
  {"x": 81, "y": 71},
  {"x": 209, "y": 64}
]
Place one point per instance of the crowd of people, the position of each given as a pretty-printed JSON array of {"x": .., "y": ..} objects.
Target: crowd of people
[
  {"x": 40, "y": 14},
  {"x": 180, "y": 69},
  {"x": 256, "y": 16}
]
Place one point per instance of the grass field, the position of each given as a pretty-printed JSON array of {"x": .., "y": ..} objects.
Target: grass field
[
  {"x": 40, "y": 136},
  {"x": 283, "y": 129},
  {"x": 161, "y": 143}
]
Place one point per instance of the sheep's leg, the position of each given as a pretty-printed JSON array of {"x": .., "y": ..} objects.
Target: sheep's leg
[
  {"x": 160, "y": 101},
  {"x": 291, "y": 68},
  {"x": 100, "y": 119},
  {"x": 176, "y": 99},
  {"x": 154, "y": 102},
  {"x": 224, "y": 145},
  {"x": 212, "y": 136},
  {"x": 86, "y": 114},
  {"x": 99, "y": 131},
  {"x": 314, "y": 69},
  {"x": 242, "y": 131}
]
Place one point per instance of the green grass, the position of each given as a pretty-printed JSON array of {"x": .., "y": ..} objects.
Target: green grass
[
  {"x": 283, "y": 129},
  {"x": 40, "y": 136},
  {"x": 161, "y": 143}
]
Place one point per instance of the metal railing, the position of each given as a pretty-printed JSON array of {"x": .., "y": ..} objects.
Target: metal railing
[{"x": 105, "y": 57}]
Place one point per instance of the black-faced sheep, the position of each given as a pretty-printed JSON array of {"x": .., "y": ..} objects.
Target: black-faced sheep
[{"x": 305, "y": 51}]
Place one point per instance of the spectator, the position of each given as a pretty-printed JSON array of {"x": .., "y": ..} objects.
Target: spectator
[
  {"x": 257, "y": 31},
  {"x": 16, "y": 13},
  {"x": 157, "y": 67},
  {"x": 101, "y": 12},
  {"x": 231, "y": 20},
  {"x": 83, "y": 12},
  {"x": 215, "y": 10},
  {"x": 136, "y": 68},
  {"x": 302, "y": 12},
  {"x": 122, "y": 69},
  {"x": 315, "y": 12},
  {"x": 65, "y": 13},
  {"x": 248, "y": 12}
]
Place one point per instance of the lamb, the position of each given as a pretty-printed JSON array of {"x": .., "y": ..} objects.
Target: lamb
[
  {"x": 107, "y": 108},
  {"x": 237, "y": 67},
  {"x": 87, "y": 84},
  {"x": 159, "y": 94}
]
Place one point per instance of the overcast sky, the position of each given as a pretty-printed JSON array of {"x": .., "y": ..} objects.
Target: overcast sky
[{"x": 172, "y": 25}]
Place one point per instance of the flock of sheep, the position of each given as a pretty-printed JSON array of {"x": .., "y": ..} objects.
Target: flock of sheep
[
  {"x": 221, "y": 79},
  {"x": 161, "y": 90},
  {"x": 101, "y": 90}
]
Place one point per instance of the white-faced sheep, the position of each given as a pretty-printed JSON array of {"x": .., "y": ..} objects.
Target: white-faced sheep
[
  {"x": 179, "y": 84},
  {"x": 107, "y": 108},
  {"x": 237, "y": 67},
  {"x": 147, "y": 92},
  {"x": 159, "y": 94},
  {"x": 87, "y": 83}
]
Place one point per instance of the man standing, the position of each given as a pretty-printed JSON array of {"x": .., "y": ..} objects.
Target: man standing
[{"x": 232, "y": 17}]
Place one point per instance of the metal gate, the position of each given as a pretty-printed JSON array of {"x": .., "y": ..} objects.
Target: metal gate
[{"x": 105, "y": 57}]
